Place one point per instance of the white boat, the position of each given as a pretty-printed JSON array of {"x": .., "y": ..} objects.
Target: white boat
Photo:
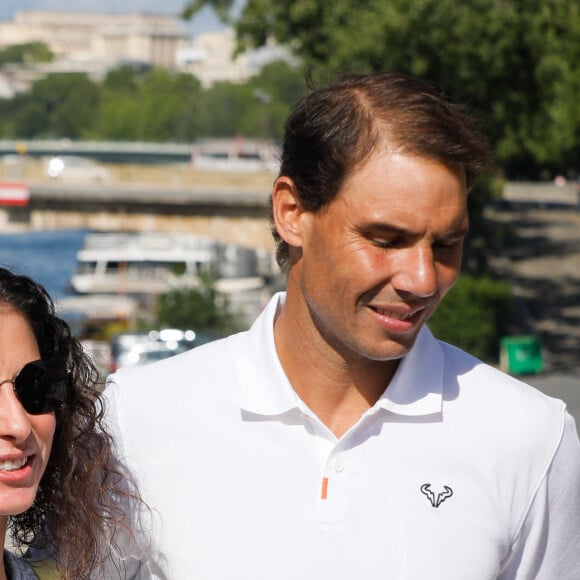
[
  {"x": 144, "y": 264},
  {"x": 135, "y": 263}
]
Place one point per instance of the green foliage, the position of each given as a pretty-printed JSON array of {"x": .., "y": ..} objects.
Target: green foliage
[
  {"x": 482, "y": 234},
  {"x": 201, "y": 309},
  {"x": 474, "y": 315},
  {"x": 515, "y": 62},
  {"x": 152, "y": 105},
  {"x": 281, "y": 82},
  {"x": 155, "y": 105},
  {"x": 169, "y": 106},
  {"x": 27, "y": 53},
  {"x": 123, "y": 80},
  {"x": 120, "y": 119},
  {"x": 235, "y": 104},
  {"x": 60, "y": 105},
  {"x": 221, "y": 7},
  {"x": 257, "y": 108},
  {"x": 277, "y": 88}
]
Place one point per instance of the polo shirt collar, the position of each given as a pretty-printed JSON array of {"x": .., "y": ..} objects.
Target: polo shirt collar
[
  {"x": 264, "y": 389},
  {"x": 417, "y": 386}
]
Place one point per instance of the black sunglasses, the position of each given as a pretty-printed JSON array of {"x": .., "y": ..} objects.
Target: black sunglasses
[{"x": 39, "y": 388}]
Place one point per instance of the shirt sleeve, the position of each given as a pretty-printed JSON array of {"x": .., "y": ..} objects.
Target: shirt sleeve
[{"x": 548, "y": 544}]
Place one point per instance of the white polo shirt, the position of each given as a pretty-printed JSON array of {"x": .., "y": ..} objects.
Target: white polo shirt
[{"x": 458, "y": 472}]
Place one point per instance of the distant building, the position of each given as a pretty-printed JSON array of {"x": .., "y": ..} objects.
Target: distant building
[
  {"x": 211, "y": 58},
  {"x": 95, "y": 43},
  {"x": 98, "y": 40}
]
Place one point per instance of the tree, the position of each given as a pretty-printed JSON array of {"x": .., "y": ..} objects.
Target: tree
[
  {"x": 22, "y": 118},
  {"x": 232, "y": 110},
  {"x": 170, "y": 106},
  {"x": 475, "y": 314},
  {"x": 27, "y": 53},
  {"x": 151, "y": 105},
  {"x": 257, "y": 108},
  {"x": 201, "y": 309},
  {"x": 123, "y": 80},
  {"x": 282, "y": 82},
  {"x": 120, "y": 118},
  {"x": 513, "y": 62},
  {"x": 276, "y": 89},
  {"x": 60, "y": 105}
]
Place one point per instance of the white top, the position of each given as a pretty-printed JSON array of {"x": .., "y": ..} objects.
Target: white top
[{"x": 458, "y": 471}]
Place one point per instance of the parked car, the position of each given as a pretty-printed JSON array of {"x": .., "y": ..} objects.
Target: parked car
[
  {"x": 131, "y": 349},
  {"x": 77, "y": 169},
  {"x": 147, "y": 352}
]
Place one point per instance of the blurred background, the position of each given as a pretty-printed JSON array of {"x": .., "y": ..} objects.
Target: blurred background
[{"x": 138, "y": 145}]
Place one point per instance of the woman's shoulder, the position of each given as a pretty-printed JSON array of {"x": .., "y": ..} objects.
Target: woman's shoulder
[{"x": 17, "y": 568}]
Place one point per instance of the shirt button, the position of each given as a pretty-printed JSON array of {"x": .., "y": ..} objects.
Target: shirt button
[{"x": 338, "y": 466}]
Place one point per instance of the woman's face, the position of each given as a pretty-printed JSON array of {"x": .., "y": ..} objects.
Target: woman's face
[{"x": 25, "y": 440}]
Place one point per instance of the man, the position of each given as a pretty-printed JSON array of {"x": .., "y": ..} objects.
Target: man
[{"x": 337, "y": 438}]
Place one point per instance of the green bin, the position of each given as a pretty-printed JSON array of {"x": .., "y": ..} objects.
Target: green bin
[{"x": 521, "y": 355}]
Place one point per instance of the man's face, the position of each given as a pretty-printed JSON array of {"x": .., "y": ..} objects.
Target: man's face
[{"x": 376, "y": 263}]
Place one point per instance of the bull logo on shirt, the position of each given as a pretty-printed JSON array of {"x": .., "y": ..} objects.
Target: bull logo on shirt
[{"x": 436, "y": 500}]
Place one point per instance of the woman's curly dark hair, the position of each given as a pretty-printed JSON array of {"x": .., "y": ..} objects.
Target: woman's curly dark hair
[{"x": 84, "y": 496}]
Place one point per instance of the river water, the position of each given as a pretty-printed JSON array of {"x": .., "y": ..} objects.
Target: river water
[{"x": 49, "y": 257}]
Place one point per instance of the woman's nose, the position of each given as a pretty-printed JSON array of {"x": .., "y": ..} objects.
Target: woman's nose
[{"x": 14, "y": 420}]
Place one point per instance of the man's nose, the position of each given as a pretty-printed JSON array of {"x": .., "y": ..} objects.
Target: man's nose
[
  {"x": 14, "y": 420},
  {"x": 416, "y": 273}
]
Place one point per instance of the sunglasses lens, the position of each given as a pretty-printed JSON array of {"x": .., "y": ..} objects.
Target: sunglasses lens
[{"x": 41, "y": 390}]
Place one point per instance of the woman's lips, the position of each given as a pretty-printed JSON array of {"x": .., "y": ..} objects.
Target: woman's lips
[
  {"x": 17, "y": 470},
  {"x": 13, "y": 464}
]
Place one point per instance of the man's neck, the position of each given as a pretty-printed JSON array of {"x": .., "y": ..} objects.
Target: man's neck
[{"x": 337, "y": 390}]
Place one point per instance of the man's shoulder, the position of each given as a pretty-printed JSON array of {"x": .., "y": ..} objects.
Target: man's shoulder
[
  {"x": 211, "y": 360},
  {"x": 490, "y": 381},
  {"x": 484, "y": 393},
  {"x": 195, "y": 391}
]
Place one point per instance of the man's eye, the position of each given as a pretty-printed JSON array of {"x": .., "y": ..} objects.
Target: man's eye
[
  {"x": 447, "y": 245},
  {"x": 382, "y": 243}
]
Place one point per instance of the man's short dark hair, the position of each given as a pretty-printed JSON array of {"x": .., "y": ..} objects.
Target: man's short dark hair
[{"x": 335, "y": 128}]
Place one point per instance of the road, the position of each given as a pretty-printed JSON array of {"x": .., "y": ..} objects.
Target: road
[{"x": 543, "y": 260}]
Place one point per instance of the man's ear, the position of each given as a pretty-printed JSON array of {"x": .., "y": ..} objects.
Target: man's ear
[{"x": 287, "y": 210}]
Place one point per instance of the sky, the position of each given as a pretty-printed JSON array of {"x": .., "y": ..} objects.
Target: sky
[{"x": 205, "y": 21}]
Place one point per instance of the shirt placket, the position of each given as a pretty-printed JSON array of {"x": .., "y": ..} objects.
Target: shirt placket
[{"x": 335, "y": 487}]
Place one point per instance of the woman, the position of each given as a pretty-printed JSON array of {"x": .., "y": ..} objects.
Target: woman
[{"x": 61, "y": 490}]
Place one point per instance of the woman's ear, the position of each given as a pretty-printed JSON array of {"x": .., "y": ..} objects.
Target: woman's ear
[{"x": 286, "y": 211}]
